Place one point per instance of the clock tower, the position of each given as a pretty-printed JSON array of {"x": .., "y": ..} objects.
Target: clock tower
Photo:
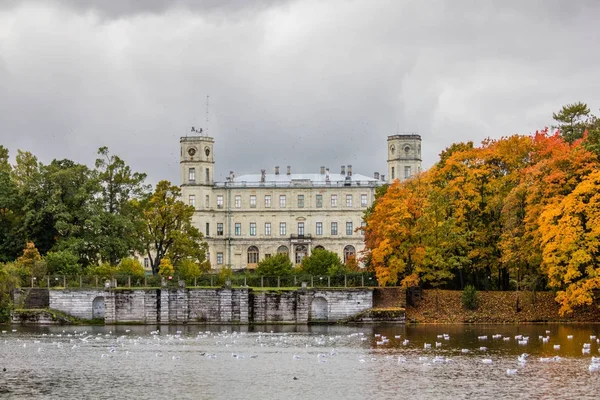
[{"x": 404, "y": 156}]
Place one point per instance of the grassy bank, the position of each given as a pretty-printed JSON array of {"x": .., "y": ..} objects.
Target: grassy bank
[{"x": 445, "y": 306}]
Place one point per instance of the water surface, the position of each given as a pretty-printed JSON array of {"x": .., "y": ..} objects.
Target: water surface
[{"x": 278, "y": 362}]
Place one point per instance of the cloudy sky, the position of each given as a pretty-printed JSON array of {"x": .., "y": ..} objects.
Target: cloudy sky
[{"x": 300, "y": 83}]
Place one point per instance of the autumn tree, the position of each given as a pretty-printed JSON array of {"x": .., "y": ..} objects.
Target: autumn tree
[
  {"x": 571, "y": 244},
  {"x": 169, "y": 231}
]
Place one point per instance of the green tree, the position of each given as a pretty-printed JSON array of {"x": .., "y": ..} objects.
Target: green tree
[
  {"x": 10, "y": 215},
  {"x": 278, "y": 265},
  {"x": 322, "y": 262},
  {"x": 168, "y": 228},
  {"x": 572, "y": 120},
  {"x": 9, "y": 280},
  {"x": 119, "y": 219}
]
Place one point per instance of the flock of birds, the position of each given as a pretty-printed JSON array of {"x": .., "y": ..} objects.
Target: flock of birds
[{"x": 209, "y": 344}]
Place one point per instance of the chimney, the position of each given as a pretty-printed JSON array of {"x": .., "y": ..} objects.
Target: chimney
[
  {"x": 262, "y": 175},
  {"x": 349, "y": 170},
  {"x": 376, "y": 175},
  {"x": 383, "y": 178},
  {"x": 277, "y": 170},
  {"x": 343, "y": 170},
  {"x": 289, "y": 170},
  {"x": 322, "y": 170}
]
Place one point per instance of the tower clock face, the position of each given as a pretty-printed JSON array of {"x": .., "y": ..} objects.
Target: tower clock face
[
  {"x": 191, "y": 151},
  {"x": 207, "y": 151}
]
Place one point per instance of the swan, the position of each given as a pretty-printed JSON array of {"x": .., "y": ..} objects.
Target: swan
[
  {"x": 523, "y": 357},
  {"x": 511, "y": 371}
]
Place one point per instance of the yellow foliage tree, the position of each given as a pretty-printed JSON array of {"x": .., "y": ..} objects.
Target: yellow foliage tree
[
  {"x": 570, "y": 240},
  {"x": 166, "y": 269}
]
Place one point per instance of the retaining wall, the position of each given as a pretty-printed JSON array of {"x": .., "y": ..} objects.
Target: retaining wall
[{"x": 180, "y": 306}]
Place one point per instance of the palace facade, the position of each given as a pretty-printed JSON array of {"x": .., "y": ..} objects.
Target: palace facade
[{"x": 250, "y": 217}]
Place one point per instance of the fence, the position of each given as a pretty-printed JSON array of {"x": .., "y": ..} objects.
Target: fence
[{"x": 205, "y": 280}]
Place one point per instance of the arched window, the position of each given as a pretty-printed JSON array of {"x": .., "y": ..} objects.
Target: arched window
[
  {"x": 252, "y": 255},
  {"x": 349, "y": 251},
  {"x": 301, "y": 252},
  {"x": 283, "y": 250},
  {"x": 319, "y": 247}
]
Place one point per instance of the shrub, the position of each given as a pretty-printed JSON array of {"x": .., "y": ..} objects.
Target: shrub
[
  {"x": 188, "y": 269},
  {"x": 62, "y": 262},
  {"x": 278, "y": 265},
  {"x": 165, "y": 269},
  {"x": 132, "y": 267},
  {"x": 469, "y": 297},
  {"x": 322, "y": 262}
]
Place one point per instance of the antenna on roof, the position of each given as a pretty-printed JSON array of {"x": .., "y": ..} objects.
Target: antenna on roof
[{"x": 206, "y": 115}]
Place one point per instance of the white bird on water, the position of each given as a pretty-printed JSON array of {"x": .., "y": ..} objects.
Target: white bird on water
[
  {"x": 511, "y": 371},
  {"x": 523, "y": 357}
]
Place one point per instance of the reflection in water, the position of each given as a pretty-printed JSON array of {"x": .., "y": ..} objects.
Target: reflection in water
[{"x": 289, "y": 361}]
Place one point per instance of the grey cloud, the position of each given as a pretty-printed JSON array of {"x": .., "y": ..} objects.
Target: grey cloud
[{"x": 306, "y": 84}]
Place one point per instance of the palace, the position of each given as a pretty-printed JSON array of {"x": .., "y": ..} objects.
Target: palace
[{"x": 250, "y": 217}]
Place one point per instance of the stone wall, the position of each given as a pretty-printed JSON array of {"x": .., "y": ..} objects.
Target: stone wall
[
  {"x": 179, "y": 306},
  {"x": 77, "y": 303}
]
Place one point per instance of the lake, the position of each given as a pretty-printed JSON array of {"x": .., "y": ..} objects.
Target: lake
[{"x": 308, "y": 362}]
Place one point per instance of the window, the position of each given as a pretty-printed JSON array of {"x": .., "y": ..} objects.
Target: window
[
  {"x": 238, "y": 201},
  {"x": 192, "y": 174},
  {"x": 206, "y": 201},
  {"x": 334, "y": 200},
  {"x": 207, "y": 175},
  {"x": 393, "y": 173},
  {"x": 348, "y": 200},
  {"x": 407, "y": 172},
  {"x": 283, "y": 250},
  {"x": 363, "y": 200},
  {"x": 300, "y": 201},
  {"x": 363, "y": 224},
  {"x": 268, "y": 201},
  {"x": 300, "y": 228},
  {"x": 193, "y": 200},
  {"x": 252, "y": 228},
  {"x": 207, "y": 229},
  {"x": 219, "y": 258},
  {"x": 146, "y": 262},
  {"x": 219, "y": 229},
  {"x": 238, "y": 229},
  {"x": 282, "y": 201},
  {"x": 252, "y": 255},
  {"x": 349, "y": 228},
  {"x": 334, "y": 228},
  {"x": 252, "y": 201},
  {"x": 267, "y": 229},
  {"x": 219, "y": 201},
  {"x": 282, "y": 228},
  {"x": 319, "y": 229},
  {"x": 267, "y": 255},
  {"x": 319, "y": 200}
]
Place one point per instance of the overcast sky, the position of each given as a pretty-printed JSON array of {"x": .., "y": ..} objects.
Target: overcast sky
[{"x": 300, "y": 83}]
